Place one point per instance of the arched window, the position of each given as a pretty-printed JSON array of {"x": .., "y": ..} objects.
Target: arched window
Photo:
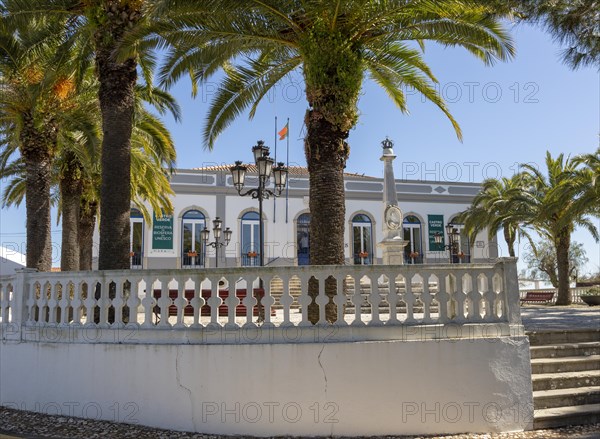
[
  {"x": 362, "y": 241},
  {"x": 136, "y": 238},
  {"x": 192, "y": 253},
  {"x": 303, "y": 239},
  {"x": 462, "y": 251},
  {"x": 250, "y": 239},
  {"x": 412, "y": 234}
]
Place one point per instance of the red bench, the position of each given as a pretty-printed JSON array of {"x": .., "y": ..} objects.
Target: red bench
[
  {"x": 538, "y": 297},
  {"x": 205, "y": 310}
]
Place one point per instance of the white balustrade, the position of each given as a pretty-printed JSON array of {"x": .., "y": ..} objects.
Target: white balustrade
[{"x": 359, "y": 298}]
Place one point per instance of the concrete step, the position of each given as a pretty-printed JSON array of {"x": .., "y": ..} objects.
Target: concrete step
[
  {"x": 540, "y": 338},
  {"x": 565, "y": 364},
  {"x": 583, "y": 349},
  {"x": 563, "y": 416},
  {"x": 566, "y": 380},
  {"x": 545, "y": 399}
]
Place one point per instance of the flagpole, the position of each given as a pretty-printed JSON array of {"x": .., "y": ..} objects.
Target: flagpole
[
  {"x": 287, "y": 186},
  {"x": 275, "y": 198}
]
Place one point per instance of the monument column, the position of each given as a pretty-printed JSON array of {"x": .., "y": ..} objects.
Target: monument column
[{"x": 392, "y": 243}]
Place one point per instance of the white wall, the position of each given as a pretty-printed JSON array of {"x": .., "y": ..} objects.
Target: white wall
[
  {"x": 349, "y": 389},
  {"x": 11, "y": 260}
]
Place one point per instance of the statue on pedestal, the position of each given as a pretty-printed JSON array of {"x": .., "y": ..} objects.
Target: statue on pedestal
[{"x": 392, "y": 243}]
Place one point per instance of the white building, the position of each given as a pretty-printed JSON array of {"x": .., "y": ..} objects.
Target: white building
[
  {"x": 201, "y": 195},
  {"x": 10, "y": 260}
]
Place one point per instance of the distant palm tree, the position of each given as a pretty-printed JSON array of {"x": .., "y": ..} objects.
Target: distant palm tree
[
  {"x": 554, "y": 210},
  {"x": 497, "y": 206}
]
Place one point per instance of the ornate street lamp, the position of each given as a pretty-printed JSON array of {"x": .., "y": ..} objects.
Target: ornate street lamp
[
  {"x": 264, "y": 166},
  {"x": 217, "y": 244},
  {"x": 453, "y": 237}
]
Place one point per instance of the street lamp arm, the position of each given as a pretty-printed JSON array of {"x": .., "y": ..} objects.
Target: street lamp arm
[
  {"x": 253, "y": 192},
  {"x": 215, "y": 244}
]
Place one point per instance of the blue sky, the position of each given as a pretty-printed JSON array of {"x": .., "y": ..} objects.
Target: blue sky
[{"x": 510, "y": 113}]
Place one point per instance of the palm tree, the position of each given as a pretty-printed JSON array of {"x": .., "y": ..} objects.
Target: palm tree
[
  {"x": 572, "y": 23},
  {"x": 257, "y": 43},
  {"x": 95, "y": 28},
  {"x": 497, "y": 206},
  {"x": 77, "y": 174},
  {"x": 590, "y": 175},
  {"x": 555, "y": 210},
  {"x": 36, "y": 99}
]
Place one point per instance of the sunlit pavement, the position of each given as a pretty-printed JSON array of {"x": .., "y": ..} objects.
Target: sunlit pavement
[{"x": 549, "y": 317}]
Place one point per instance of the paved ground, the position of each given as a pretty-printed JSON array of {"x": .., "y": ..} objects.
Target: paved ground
[
  {"x": 547, "y": 318},
  {"x": 35, "y": 426}
]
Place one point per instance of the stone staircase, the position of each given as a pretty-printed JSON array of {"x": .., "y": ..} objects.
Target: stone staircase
[{"x": 565, "y": 368}]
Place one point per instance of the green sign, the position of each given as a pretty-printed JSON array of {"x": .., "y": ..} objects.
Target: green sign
[
  {"x": 162, "y": 232},
  {"x": 436, "y": 225}
]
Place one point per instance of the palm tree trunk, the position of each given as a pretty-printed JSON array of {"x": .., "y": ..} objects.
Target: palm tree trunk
[
  {"x": 70, "y": 192},
  {"x": 509, "y": 237},
  {"x": 87, "y": 223},
  {"x": 562, "y": 243},
  {"x": 326, "y": 153},
  {"x": 36, "y": 152},
  {"x": 116, "y": 95}
]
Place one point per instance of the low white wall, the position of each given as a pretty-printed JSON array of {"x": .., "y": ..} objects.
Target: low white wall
[{"x": 350, "y": 389}]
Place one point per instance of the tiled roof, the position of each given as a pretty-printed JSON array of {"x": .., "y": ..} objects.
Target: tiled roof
[{"x": 292, "y": 170}]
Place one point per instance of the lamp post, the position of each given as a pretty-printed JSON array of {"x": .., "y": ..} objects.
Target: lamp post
[
  {"x": 264, "y": 166},
  {"x": 453, "y": 235},
  {"x": 217, "y": 229}
]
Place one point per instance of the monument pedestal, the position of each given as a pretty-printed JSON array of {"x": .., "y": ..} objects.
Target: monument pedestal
[{"x": 393, "y": 251}]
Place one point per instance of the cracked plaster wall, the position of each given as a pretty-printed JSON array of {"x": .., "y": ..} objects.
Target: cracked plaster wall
[{"x": 359, "y": 388}]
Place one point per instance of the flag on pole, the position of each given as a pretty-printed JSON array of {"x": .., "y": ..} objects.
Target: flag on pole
[{"x": 283, "y": 133}]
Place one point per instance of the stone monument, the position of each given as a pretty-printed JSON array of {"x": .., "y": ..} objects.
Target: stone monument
[{"x": 392, "y": 243}]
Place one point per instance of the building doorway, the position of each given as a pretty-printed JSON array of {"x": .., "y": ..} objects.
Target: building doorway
[{"x": 303, "y": 239}]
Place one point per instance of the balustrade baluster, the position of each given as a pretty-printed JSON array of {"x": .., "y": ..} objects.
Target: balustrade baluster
[
  {"x": 267, "y": 301},
  {"x": 197, "y": 302},
  {"x": 118, "y": 302},
  {"x": 427, "y": 299},
  {"x": 149, "y": 302},
  {"x": 462, "y": 283},
  {"x": 53, "y": 303},
  {"x": 232, "y": 303},
  {"x": 304, "y": 300},
  {"x": 64, "y": 304},
  {"x": 322, "y": 299},
  {"x": 357, "y": 301},
  {"x": 164, "y": 303},
  {"x": 32, "y": 301},
  {"x": 340, "y": 299},
  {"x": 286, "y": 300},
  {"x": 77, "y": 303},
  {"x": 180, "y": 303},
  {"x": 442, "y": 298},
  {"x": 249, "y": 302},
  {"x": 490, "y": 297},
  {"x": 133, "y": 301},
  {"x": 409, "y": 300},
  {"x": 375, "y": 300},
  {"x": 392, "y": 298}
]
